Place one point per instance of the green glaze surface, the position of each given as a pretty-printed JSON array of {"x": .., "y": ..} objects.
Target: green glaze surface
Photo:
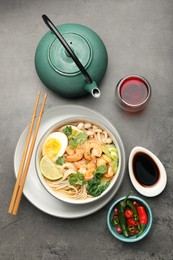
[{"x": 58, "y": 71}]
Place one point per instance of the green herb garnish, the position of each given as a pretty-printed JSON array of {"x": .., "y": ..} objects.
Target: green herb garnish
[
  {"x": 60, "y": 160},
  {"x": 101, "y": 169},
  {"x": 73, "y": 143},
  {"x": 77, "y": 179},
  {"x": 79, "y": 138},
  {"x": 94, "y": 186},
  {"x": 67, "y": 130}
]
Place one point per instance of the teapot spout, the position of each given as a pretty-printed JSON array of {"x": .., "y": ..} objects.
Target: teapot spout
[{"x": 93, "y": 89}]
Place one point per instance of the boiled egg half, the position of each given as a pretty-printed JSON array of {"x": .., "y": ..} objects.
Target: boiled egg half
[{"x": 55, "y": 145}]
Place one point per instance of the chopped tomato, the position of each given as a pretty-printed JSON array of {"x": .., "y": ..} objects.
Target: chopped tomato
[
  {"x": 135, "y": 203},
  {"x": 119, "y": 230},
  {"x": 128, "y": 213},
  {"x": 132, "y": 222},
  {"x": 116, "y": 211}
]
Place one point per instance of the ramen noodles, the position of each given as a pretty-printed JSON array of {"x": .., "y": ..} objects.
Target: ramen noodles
[{"x": 79, "y": 160}]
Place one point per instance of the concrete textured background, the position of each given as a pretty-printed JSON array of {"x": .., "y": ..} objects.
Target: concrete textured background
[{"x": 138, "y": 35}]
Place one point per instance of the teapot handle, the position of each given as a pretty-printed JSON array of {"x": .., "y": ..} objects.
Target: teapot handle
[{"x": 52, "y": 27}]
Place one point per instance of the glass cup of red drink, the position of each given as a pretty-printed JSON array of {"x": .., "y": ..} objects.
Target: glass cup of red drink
[{"x": 133, "y": 92}]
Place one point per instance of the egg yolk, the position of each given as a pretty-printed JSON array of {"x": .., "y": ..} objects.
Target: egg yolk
[{"x": 52, "y": 148}]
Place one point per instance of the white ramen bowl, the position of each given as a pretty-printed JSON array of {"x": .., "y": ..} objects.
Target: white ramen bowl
[{"x": 38, "y": 158}]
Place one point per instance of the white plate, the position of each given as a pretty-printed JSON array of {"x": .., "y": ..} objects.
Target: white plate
[{"x": 34, "y": 190}]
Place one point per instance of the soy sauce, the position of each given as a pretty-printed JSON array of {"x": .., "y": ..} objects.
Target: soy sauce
[{"x": 145, "y": 169}]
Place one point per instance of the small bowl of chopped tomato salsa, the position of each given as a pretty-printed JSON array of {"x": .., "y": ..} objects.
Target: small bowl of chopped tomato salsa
[{"x": 129, "y": 219}]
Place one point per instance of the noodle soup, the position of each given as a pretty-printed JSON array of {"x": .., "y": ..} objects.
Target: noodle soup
[{"x": 78, "y": 161}]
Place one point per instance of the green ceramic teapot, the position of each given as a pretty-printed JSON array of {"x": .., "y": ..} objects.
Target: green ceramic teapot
[{"x": 71, "y": 59}]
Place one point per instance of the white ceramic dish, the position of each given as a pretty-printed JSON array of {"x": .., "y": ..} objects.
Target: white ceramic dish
[
  {"x": 34, "y": 190},
  {"x": 159, "y": 186},
  {"x": 38, "y": 152}
]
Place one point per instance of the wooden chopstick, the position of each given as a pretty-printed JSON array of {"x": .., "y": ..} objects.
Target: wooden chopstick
[
  {"x": 16, "y": 187},
  {"x": 17, "y": 193}
]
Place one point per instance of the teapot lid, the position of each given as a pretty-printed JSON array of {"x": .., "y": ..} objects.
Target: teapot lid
[{"x": 60, "y": 59}]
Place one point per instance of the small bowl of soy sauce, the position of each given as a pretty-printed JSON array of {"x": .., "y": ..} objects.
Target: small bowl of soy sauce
[
  {"x": 146, "y": 171},
  {"x": 133, "y": 92}
]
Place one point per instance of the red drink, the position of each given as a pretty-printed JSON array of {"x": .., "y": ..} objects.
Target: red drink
[{"x": 133, "y": 92}]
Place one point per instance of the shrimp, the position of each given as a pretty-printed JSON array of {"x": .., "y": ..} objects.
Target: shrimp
[
  {"x": 74, "y": 154},
  {"x": 89, "y": 175},
  {"x": 81, "y": 164},
  {"x": 102, "y": 161},
  {"x": 87, "y": 168},
  {"x": 110, "y": 173},
  {"x": 92, "y": 149}
]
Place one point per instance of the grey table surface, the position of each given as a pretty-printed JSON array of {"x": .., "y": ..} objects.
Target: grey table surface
[{"x": 138, "y": 35}]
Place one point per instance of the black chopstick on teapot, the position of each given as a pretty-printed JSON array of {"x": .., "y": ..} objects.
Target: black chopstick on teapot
[{"x": 53, "y": 28}]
